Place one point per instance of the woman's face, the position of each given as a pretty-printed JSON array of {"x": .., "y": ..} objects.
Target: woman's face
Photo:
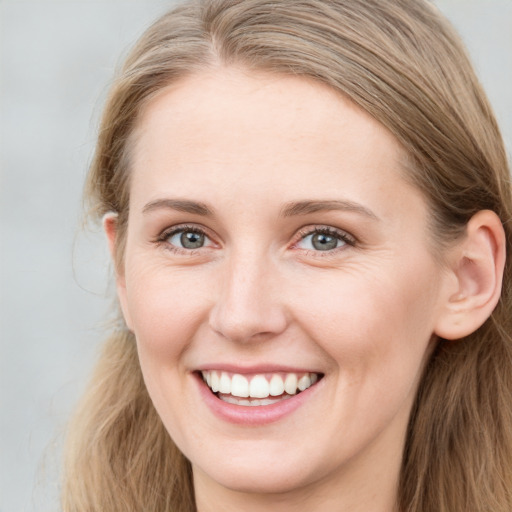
[{"x": 274, "y": 250}]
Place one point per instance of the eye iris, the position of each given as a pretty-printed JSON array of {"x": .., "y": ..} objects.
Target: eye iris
[
  {"x": 191, "y": 240},
  {"x": 323, "y": 242}
]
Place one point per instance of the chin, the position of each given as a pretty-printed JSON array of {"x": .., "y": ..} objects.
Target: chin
[
  {"x": 259, "y": 480},
  {"x": 259, "y": 469}
]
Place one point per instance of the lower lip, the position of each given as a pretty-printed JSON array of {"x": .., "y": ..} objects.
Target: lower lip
[{"x": 254, "y": 415}]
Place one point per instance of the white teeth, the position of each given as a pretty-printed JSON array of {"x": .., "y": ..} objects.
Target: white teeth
[
  {"x": 238, "y": 387},
  {"x": 276, "y": 385},
  {"x": 290, "y": 384},
  {"x": 304, "y": 383},
  {"x": 215, "y": 382},
  {"x": 251, "y": 403},
  {"x": 225, "y": 383},
  {"x": 259, "y": 387}
]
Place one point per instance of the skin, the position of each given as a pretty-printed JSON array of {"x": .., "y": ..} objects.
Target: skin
[{"x": 258, "y": 292}]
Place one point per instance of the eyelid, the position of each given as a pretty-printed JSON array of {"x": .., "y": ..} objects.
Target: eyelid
[
  {"x": 163, "y": 237},
  {"x": 341, "y": 234}
]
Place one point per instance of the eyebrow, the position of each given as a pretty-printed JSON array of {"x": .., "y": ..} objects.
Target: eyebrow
[
  {"x": 289, "y": 210},
  {"x": 306, "y": 207},
  {"x": 181, "y": 205}
]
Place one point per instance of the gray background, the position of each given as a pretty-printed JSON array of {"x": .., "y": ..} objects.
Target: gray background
[{"x": 56, "y": 61}]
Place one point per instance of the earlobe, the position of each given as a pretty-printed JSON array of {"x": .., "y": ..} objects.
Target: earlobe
[{"x": 475, "y": 277}]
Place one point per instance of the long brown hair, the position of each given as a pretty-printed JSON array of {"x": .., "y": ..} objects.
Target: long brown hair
[{"x": 403, "y": 63}]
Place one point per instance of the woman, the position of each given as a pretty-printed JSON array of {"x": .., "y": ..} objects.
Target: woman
[{"x": 307, "y": 206}]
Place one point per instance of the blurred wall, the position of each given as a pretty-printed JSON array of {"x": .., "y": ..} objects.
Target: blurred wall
[{"x": 56, "y": 60}]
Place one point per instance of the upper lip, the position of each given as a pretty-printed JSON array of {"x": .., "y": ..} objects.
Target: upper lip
[{"x": 256, "y": 369}]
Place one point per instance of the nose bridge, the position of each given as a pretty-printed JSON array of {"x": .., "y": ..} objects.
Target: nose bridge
[{"x": 247, "y": 305}]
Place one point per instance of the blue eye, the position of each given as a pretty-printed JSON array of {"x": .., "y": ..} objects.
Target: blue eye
[{"x": 324, "y": 240}]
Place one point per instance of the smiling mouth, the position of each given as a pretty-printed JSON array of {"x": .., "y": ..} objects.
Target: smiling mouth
[{"x": 258, "y": 389}]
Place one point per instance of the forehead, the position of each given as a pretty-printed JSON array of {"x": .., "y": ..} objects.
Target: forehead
[
  {"x": 261, "y": 134},
  {"x": 256, "y": 102}
]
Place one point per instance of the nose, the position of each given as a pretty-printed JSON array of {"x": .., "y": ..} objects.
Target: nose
[{"x": 249, "y": 304}]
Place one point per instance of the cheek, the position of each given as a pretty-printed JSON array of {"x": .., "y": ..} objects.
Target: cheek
[
  {"x": 372, "y": 323},
  {"x": 166, "y": 307}
]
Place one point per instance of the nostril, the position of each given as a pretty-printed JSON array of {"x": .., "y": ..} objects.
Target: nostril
[{"x": 252, "y": 325}]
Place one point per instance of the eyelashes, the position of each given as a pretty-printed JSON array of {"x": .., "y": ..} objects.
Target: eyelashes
[
  {"x": 324, "y": 239},
  {"x": 185, "y": 238},
  {"x": 318, "y": 240}
]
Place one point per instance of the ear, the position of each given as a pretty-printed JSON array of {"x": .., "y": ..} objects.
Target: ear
[
  {"x": 110, "y": 228},
  {"x": 476, "y": 265}
]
